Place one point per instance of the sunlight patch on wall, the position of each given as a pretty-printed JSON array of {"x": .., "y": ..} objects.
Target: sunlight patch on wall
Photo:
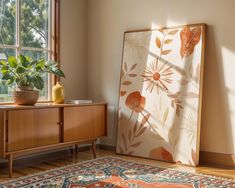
[{"x": 229, "y": 76}]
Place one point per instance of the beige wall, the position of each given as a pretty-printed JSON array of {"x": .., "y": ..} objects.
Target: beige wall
[
  {"x": 108, "y": 19},
  {"x": 74, "y": 47}
]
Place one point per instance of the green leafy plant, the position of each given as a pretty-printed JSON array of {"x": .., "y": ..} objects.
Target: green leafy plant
[{"x": 25, "y": 72}]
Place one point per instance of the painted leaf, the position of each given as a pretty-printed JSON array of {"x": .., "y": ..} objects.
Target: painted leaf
[
  {"x": 122, "y": 93},
  {"x": 165, "y": 52},
  {"x": 135, "y": 101},
  {"x": 178, "y": 109},
  {"x": 161, "y": 31},
  {"x": 191, "y": 71},
  {"x": 125, "y": 66},
  {"x": 141, "y": 131},
  {"x": 161, "y": 153},
  {"x": 124, "y": 141},
  {"x": 129, "y": 135},
  {"x": 133, "y": 67},
  {"x": 132, "y": 75},
  {"x": 126, "y": 83},
  {"x": 136, "y": 144},
  {"x": 172, "y": 32},
  {"x": 189, "y": 39},
  {"x": 165, "y": 115},
  {"x": 144, "y": 120},
  {"x": 192, "y": 95},
  {"x": 184, "y": 82},
  {"x": 135, "y": 127},
  {"x": 172, "y": 104},
  {"x": 176, "y": 95},
  {"x": 168, "y": 41},
  {"x": 122, "y": 73},
  {"x": 120, "y": 149},
  {"x": 194, "y": 156},
  {"x": 190, "y": 163},
  {"x": 197, "y": 75},
  {"x": 158, "y": 43},
  {"x": 182, "y": 72}
]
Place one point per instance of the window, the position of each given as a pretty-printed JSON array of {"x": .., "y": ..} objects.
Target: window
[{"x": 26, "y": 28}]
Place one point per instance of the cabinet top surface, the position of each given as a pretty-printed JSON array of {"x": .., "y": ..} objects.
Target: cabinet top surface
[{"x": 45, "y": 105}]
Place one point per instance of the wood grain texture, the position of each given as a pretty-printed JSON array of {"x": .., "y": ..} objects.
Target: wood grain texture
[
  {"x": 49, "y": 147},
  {"x": 32, "y": 128},
  {"x": 28, "y": 129},
  {"x": 40, "y": 163},
  {"x": 2, "y": 133},
  {"x": 45, "y": 105},
  {"x": 10, "y": 165},
  {"x": 217, "y": 159},
  {"x": 100, "y": 121},
  {"x": 199, "y": 122},
  {"x": 84, "y": 122}
]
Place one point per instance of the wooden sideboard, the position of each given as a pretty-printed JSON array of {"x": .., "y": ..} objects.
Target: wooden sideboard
[{"x": 30, "y": 129}]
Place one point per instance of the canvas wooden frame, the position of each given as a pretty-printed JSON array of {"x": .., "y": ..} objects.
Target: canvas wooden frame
[{"x": 144, "y": 51}]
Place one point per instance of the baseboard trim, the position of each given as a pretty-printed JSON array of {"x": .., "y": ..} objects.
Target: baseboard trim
[
  {"x": 106, "y": 147},
  {"x": 206, "y": 158},
  {"x": 217, "y": 159}
]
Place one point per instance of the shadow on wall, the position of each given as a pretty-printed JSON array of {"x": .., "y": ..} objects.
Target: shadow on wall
[{"x": 216, "y": 112}]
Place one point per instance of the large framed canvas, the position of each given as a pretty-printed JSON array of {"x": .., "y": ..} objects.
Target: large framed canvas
[{"x": 160, "y": 94}]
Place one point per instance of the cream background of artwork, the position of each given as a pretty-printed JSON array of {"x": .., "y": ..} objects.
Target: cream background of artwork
[{"x": 165, "y": 131}]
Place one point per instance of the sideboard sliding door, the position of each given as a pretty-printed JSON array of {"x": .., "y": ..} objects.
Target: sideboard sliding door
[
  {"x": 33, "y": 128},
  {"x": 84, "y": 122}
]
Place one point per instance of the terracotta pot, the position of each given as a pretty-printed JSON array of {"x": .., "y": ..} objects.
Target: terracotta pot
[{"x": 25, "y": 97}]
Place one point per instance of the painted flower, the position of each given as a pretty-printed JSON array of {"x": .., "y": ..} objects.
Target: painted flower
[
  {"x": 157, "y": 74},
  {"x": 135, "y": 101},
  {"x": 161, "y": 153},
  {"x": 189, "y": 39}
]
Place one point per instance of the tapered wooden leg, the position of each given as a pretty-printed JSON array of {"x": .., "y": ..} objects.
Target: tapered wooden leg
[
  {"x": 71, "y": 150},
  {"x": 10, "y": 163},
  {"x": 93, "y": 148},
  {"x": 76, "y": 149}
]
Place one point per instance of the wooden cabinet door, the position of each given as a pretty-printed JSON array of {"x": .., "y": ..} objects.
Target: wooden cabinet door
[
  {"x": 84, "y": 122},
  {"x": 100, "y": 123},
  {"x": 32, "y": 128}
]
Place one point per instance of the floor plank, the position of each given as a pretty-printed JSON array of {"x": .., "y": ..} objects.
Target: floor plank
[{"x": 24, "y": 169}]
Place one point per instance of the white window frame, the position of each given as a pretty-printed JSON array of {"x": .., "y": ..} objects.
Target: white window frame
[{"x": 18, "y": 46}]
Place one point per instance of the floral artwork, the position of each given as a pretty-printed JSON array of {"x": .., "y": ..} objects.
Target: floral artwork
[{"x": 160, "y": 94}]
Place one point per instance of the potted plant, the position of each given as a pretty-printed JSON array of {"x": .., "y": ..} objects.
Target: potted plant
[{"x": 27, "y": 75}]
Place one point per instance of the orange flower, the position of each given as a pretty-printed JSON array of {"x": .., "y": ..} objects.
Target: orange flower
[
  {"x": 135, "y": 101},
  {"x": 161, "y": 153},
  {"x": 157, "y": 74},
  {"x": 189, "y": 39}
]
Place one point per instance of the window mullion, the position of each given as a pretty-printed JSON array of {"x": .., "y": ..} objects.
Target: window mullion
[
  {"x": 18, "y": 37},
  {"x": 49, "y": 43}
]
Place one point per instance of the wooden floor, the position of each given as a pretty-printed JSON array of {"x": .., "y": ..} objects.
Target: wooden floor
[{"x": 25, "y": 167}]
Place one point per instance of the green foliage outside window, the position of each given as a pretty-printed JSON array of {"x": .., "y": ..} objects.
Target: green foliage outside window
[{"x": 33, "y": 33}]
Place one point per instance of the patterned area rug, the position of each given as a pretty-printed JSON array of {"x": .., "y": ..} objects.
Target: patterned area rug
[{"x": 119, "y": 173}]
